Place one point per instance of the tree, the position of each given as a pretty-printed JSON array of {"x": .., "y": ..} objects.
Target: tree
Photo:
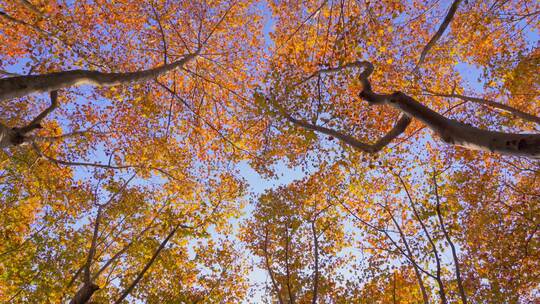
[
  {"x": 126, "y": 127},
  {"x": 299, "y": 238},
  {"x": 305, "y": 65},
  {"x": 59, "y": 163}
]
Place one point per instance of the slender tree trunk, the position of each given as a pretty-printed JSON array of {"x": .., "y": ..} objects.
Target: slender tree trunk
[
  {"x": 442, "y": 293},
  {"x": 394, "y": 289},
  {"x": 316, "y": 258},
  {"x": 287, "y": 270},
  {"x": 269, "y": 268},
  {"x": 417, "y": 273},
  {"x": 141, "y": 274},
  {"x": 452, "y": 247}
]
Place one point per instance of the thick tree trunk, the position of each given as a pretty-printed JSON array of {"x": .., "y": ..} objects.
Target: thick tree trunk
[
  {"x": 84, "y": 294},
  {"x": 20, "y": 86},
  {"x": 11, "y": 136}
]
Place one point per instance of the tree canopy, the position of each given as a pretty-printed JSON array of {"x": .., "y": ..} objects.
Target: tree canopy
[{"x": 400, "y": 141}]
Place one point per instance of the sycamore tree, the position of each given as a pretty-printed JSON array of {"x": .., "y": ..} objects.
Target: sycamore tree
[
  {"x": 415, "y": 123},
  {"x": 117, "y": 135},
  {"x": 407, "y": 95}
]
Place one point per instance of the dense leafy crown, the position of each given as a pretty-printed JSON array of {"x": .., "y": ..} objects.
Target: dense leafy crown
[{"x": 403, "y": 137}]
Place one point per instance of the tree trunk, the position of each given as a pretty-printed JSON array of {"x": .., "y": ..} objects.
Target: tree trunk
[
  {"x": 11, "y": 136},
  {"x": 141, "y": 274},
  {"x": 316, "y": 260},
  {"x": 84, "y": 294}
]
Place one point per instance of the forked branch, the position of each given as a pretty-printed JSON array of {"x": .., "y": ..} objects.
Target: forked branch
[{"x": 452, "y": 131}]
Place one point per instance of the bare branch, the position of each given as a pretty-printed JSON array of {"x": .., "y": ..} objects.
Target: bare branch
[
  {"x": 493, "y": 104},
  {"x": 439, "y": 33}
]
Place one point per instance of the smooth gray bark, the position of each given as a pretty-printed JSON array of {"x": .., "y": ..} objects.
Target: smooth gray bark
[
  {"x": 452, "y": 131},
  {"x": 20, "y": 86}
]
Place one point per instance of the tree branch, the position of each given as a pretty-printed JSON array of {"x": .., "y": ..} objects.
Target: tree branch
[
  {"x": 452, "y": 131},
  {"x": 15, "y": 87},
  {"x": 139, "y": 276},
  {"x": 367, "y": 68},
  {"x": 399, "y": 127},
  {"x": 16, "y": 136},
  {"x": 439, "y": 33},
  {"x": 36, "y": 122},
  {"x": 493, "y": 104}
]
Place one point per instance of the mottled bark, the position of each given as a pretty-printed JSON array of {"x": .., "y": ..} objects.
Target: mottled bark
[{"x": 452, "y": 131}]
